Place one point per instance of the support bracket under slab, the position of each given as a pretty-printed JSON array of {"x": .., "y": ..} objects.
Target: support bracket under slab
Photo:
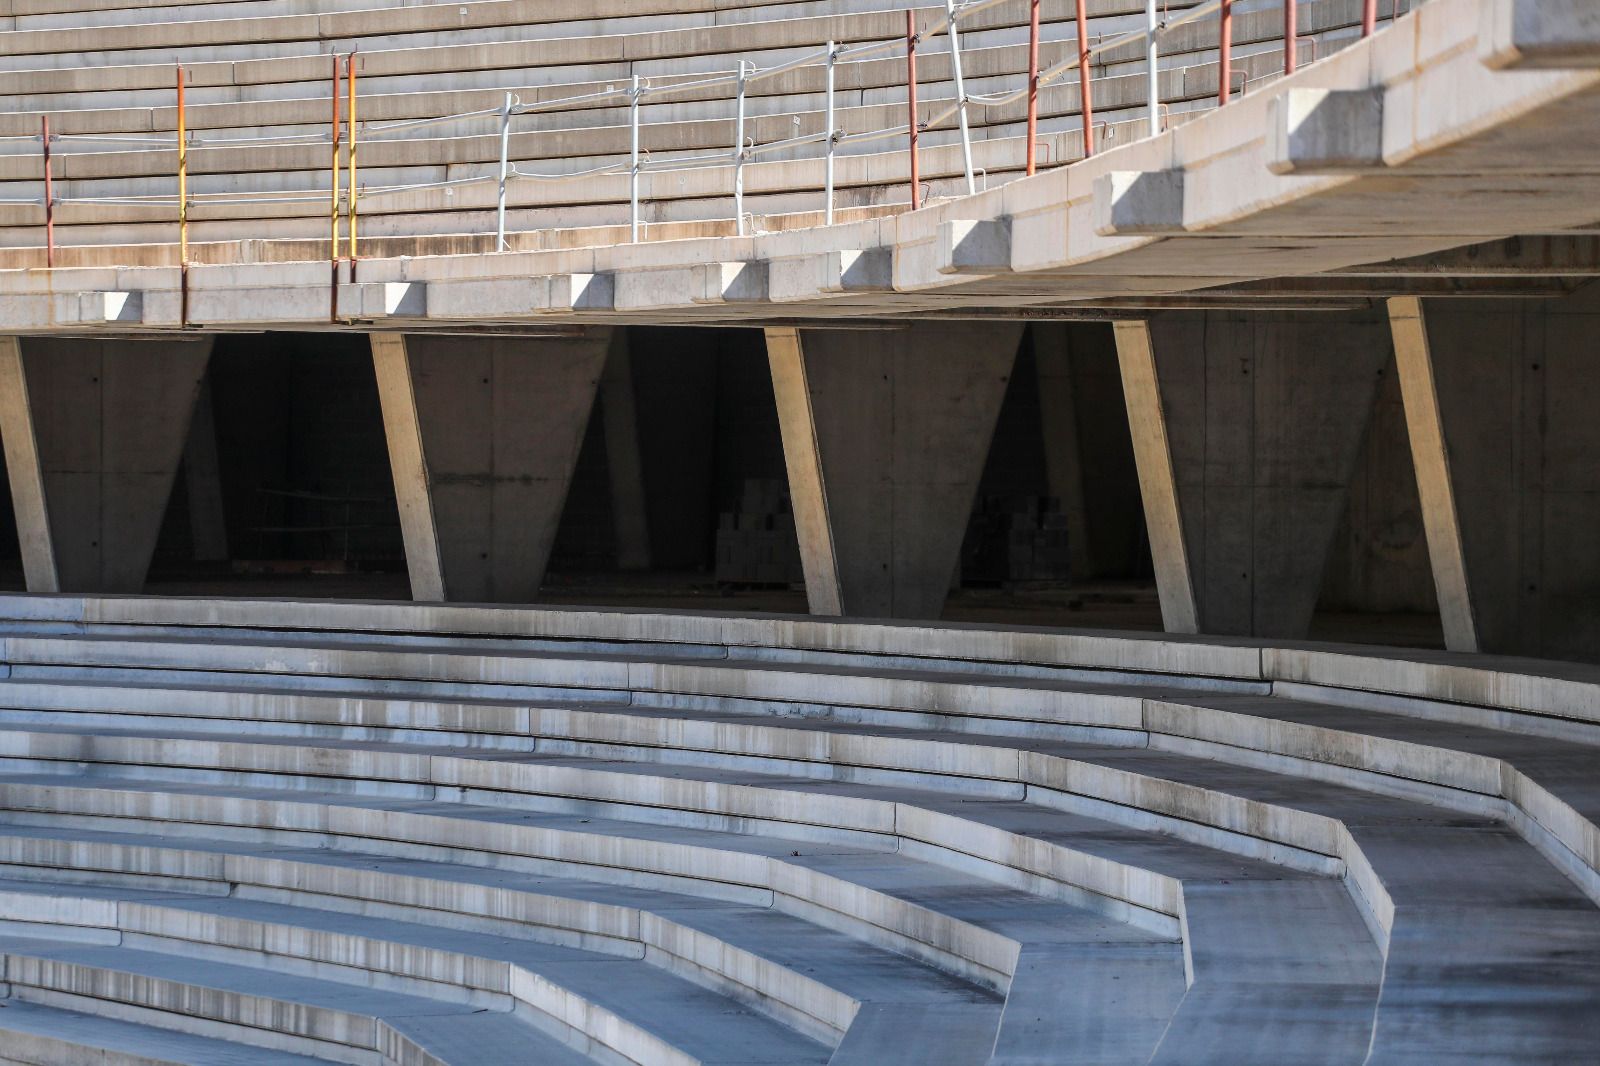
[{"x": 1325, "y": 131}]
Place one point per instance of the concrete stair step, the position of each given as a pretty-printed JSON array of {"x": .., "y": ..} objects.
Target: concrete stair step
[
  {"x": 1083, "y": 840},
  {"x": 640, "y": 1011},
  {"x": 297, "y": 1015},
  {"x": 33, "y": 1034},
  {"x": 1120, "y": 1023}
]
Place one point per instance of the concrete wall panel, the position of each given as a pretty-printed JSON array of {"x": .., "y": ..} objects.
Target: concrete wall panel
[
  {"x": 902, "y": 420},
  {"x": 107, "y": 429}
]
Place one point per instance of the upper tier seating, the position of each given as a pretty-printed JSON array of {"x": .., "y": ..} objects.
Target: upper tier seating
[
  {"x": 258, "y": 108},
  {"x": 391, "y": 833}
]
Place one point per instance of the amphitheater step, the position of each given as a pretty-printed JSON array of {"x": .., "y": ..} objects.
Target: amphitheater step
[{"x": 33, "y": 1034}]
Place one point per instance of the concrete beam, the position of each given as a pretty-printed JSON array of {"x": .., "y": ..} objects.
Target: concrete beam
[
  {"x": 1131, "y": 202},
  {"x": 483, "y": 434},
  {"x": 1324, "y": 131},
  {"x": 967, "y": 247},
  {"x": 1540, "y": 34},
  {"x": 93, "y": 433},
  {"x": 885, "y": 435},
  {"x": 492, "y": 298},
  {"x": 809, "y": 276}
]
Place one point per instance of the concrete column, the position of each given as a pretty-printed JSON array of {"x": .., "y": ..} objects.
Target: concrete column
[
  {"x": 624, "y": 462},
  {"x": 1058, "y": 418},
  {"x": 1424, "y": 425},
  {"x": 1247, "y": 429},
  {"x": 483, "y": 435},
  {"x": 93, "y": 431},
  {"x": 885, "y": 433},
  {"x": 1158, "y": 483},
  {"x": 1501, "y": 399},
  {"x": 202, "y": 474}
]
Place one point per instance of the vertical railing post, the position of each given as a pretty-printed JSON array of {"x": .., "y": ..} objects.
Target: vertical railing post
[
  {"x": 505, "y": 166},
  {"x": 49, "y": 196},
  {"x": 350, "y": 69},
  {"x": 738, "y": 153},
  {"x": 961, "y": 94},
  {"x": 183, "y": 207},
  {"x": 1085, "y": 90},
  {"x": 1290, "y": 33},
  {"x": 333, "y": 201},
  {"x": 1225, "y": 52},
  {"x": 828, "y": 123},
  {"x": 1369, "y": 17},
  {"x": 633, "y": 161},
  {"x": 1152, "y": 62},
  {"x": 912, "y": 123},
  {"x": 1033, "y": 81}
]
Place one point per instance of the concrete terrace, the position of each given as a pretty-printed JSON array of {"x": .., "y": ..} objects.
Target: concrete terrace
[{"x": 391, "y": 833}]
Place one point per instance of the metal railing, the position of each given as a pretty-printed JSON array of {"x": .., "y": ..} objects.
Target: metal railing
[{"x": 342, "y": 135}]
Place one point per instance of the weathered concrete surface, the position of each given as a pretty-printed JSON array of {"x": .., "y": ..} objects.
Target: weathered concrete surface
[
  {"x": 483, "y": 435},
  {"x": 1500, "y": 400},
  {"x": 884, "y": 435},
  {"x": 94, "y": 431}
]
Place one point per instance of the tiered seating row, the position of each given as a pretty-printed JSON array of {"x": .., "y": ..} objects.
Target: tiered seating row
[{"x": 1155, "y": 782}]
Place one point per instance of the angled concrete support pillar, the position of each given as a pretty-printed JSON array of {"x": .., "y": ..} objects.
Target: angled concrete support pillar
[
  {"x": 1500, "y": 399},
  {"x": 885, "y": 435},
  {"x": 93, "y": 432},
  {"x": 202, "y": 475},
  {"x": 1058, "y": 419},
  {"x": 1247, "y": 429},
  {"x": 624, "y": 462},
  {"x": 483, "y": 435},
  {"x": 1158, "y": 482}
]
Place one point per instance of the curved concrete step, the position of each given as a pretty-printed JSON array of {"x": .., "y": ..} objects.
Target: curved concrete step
[
  {"x": 1390, "y": 838},
  {"x": 1092, "y": 860},
  {"x": 32, "y": 1034},
  {"x": 1399, "y": 830},
  {"x": 888, "y": 900},
  {"x": 604, "y": 1002},
  {"x": 296, "y": 1015},
  {"x": 1335, "y": 929}
]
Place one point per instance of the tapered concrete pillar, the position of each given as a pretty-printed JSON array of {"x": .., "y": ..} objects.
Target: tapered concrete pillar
[
  {"x": 202, "y": 474},
  {"x": 1501, "y": 398},
  {"x": 1058, "y": 420},
  {"x": 885, "y": 433},
  {"x": 625, "y": 464},
  {"x": 1246, "y": 429},
  {"x": 93, "y": 432},
  {"x": 483, "y": 436}
]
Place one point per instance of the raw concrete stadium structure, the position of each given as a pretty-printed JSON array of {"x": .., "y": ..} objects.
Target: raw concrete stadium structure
[{"x": 238, "y": 829}]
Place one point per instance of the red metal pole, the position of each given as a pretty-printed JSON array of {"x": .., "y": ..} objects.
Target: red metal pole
[
  {"x": 1369, "y": 17},
  {"x": 49, "y": 197},
  {"x": 1085, "y": 90},
  {"x": 1291, "y": 36},
  {"x": 911, "y": 105},
  {"x": 333, "y": 203},
  {"x": 1225, "y": 63},
  {"x": 350, "y": 67},
  {"x": 1033, "y": 79}
]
